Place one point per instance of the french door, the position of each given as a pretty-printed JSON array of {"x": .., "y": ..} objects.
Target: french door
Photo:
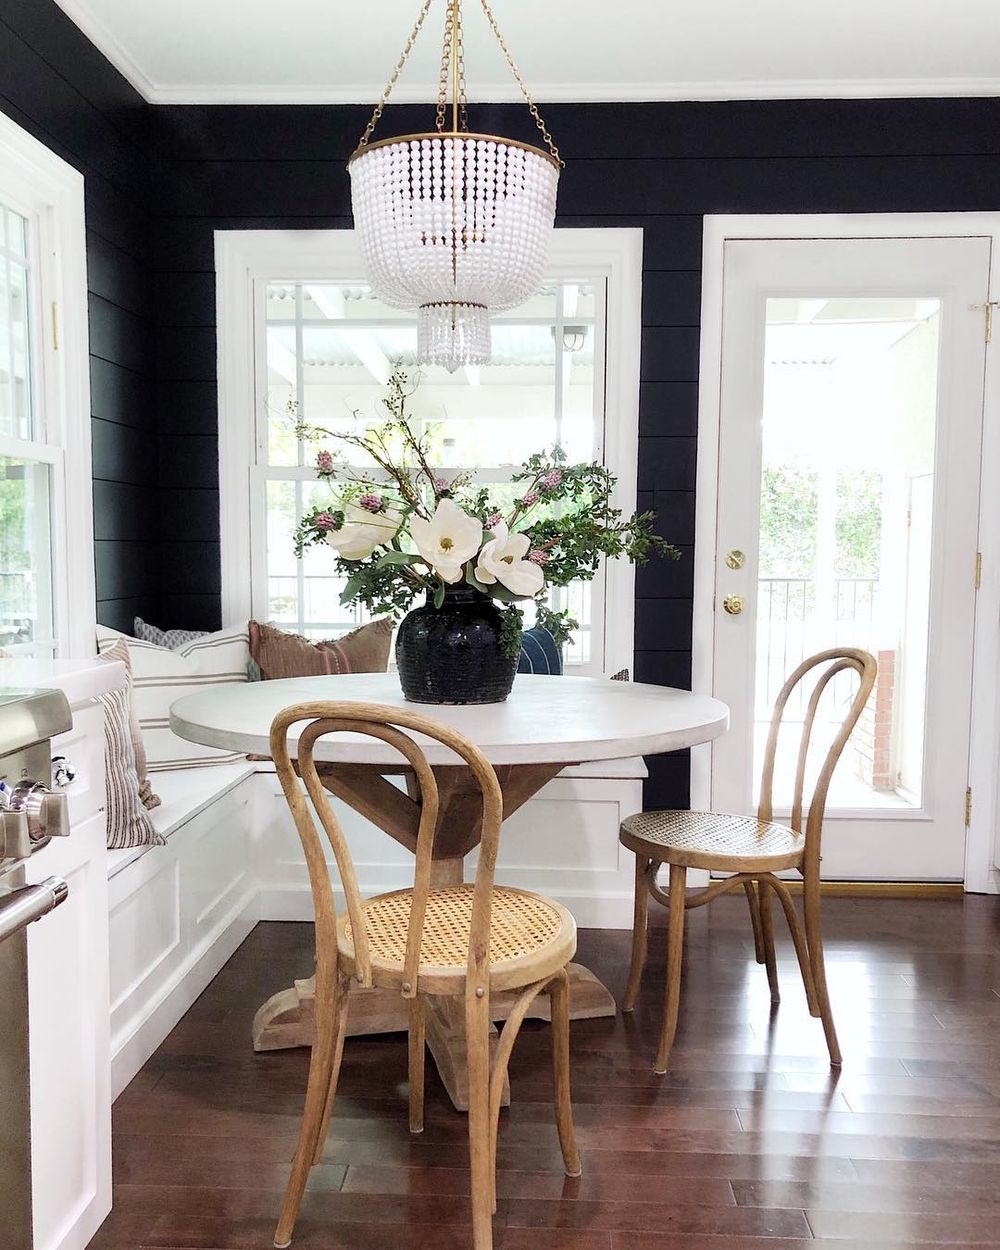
[{"x": 851, "y": 419}]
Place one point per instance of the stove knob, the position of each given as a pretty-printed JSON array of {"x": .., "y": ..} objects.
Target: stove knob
[
  {"x": 53, "y": 816},
  {"x": 47, "y": 813}
]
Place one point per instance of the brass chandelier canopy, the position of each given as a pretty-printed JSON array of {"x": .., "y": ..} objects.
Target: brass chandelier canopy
[{"x": 453, "y": 223}]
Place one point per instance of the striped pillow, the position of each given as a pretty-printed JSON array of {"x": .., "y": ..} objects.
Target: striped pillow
[
  {"x": 161, "y": 675},
  {"x": 128, "y": 822},
  {"x": 539, "y": 653}
]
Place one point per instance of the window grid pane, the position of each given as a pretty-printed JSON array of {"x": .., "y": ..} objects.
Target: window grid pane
[{"x": 330, "y": 349}]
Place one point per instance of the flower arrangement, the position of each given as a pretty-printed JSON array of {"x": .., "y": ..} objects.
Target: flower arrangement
[{"x": 402, "y": 528}]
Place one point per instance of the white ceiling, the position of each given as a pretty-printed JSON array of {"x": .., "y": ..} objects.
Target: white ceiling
[{"x": 341, "y": 51}]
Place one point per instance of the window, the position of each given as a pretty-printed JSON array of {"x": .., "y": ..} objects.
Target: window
[
  {"x": 318, "y": 342},
  {"x": 46, "y": 573}
]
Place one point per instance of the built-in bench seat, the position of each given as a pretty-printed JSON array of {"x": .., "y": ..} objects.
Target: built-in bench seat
[
  {"x": 184, "y": 792},
  {"x": 178, "y": 911},
  {"x": 232, "y": 857}
]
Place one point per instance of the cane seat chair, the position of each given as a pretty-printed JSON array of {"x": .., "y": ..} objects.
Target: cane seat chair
[
  {"x": 465, "y": 940},
  {"x": 752, "y": 850}
]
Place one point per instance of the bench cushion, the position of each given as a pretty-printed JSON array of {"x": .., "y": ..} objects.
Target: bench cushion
[{"x": 184, "y": 792}]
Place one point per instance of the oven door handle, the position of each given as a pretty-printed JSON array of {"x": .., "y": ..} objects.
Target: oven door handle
[{"x": 19, "y": 908}]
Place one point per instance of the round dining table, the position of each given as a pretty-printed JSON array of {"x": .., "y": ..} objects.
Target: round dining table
[{"x": 547, "y": 724}]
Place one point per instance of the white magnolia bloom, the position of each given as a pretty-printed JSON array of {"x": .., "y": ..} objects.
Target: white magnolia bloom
[
  {"x": 447, "y": 540},
  {"x": 363, "y": 531},
  {"x": 502, "y": 560}
]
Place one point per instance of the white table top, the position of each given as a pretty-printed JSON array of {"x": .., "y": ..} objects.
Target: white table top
[{"x": 546, "y": 720}]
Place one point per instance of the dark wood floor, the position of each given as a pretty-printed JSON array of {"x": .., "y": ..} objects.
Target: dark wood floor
[{"x": 750, "y": 1142}]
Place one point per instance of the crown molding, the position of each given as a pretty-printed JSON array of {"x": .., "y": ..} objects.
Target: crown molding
[
  {"x": 546, "y": 93},
  {"x": 78, "y": 11},
  {"x": 585, "y": 93}
]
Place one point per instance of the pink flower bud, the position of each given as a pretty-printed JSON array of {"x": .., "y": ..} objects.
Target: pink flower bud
[
  {"x": 324, "y": 462},
  {"x": 538, "y": 557},
  {"x": 325, "y": 521},
  {"x": 371, "y": 502},
  {"x": 532, "y": 497},
  {"x": 551, "y": 480},
  {"x": 440, "y": 484},
  {"x": 493, "y": 520}
]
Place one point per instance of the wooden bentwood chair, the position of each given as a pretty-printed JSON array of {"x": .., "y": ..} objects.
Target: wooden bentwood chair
[
  {"x": 466, "y": 940},
  {"x": 752, "y": 850}
]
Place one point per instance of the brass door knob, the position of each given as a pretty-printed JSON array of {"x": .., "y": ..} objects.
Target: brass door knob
[{"x": 733, "y": 604}]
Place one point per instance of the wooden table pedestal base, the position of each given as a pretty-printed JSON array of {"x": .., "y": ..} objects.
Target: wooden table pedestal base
[{"x": 287, "y": 1019}]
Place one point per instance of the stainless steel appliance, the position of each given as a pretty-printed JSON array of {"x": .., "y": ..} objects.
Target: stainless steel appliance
[{"x": 31, "y": 812}]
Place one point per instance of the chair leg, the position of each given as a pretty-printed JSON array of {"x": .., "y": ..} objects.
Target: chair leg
[
  {"x": 675, "y": 948},
  {"x": 559, "y": 997},
  {"x": 477, "y": 1029},
  {"x": 323, "y": 1069},
  {"x": 754, "y": 905},
  {"x": 814, "y": 943},
  {"x": 340, "y": 1033},
  {"x": 767, "y": 938},
  {"x": 417, "y": 1048},
  {"x": 639, "y": 935},
  {"x": 798, "y": 939}
]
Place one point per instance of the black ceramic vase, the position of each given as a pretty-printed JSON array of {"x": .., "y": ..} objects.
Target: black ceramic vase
[{"x": 454, "y": 654}]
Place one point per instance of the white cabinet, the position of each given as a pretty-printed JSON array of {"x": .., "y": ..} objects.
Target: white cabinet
[{"x": 68, "y": 1013}]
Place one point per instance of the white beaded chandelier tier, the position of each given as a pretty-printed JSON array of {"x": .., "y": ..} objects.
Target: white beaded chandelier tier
[{"x": 454, "y": 224}]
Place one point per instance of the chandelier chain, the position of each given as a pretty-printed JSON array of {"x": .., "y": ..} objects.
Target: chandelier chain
[
  {"x": 446, "y": 49},
  {"x": 532, "y": 107},
  {"x": 394, "y": 77}
]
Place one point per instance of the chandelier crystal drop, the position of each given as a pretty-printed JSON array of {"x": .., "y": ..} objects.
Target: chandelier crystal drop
[{"x": 454, "y": 224}]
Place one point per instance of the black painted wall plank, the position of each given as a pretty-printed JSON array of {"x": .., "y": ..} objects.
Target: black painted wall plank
[{"x": 661, "y": 167}]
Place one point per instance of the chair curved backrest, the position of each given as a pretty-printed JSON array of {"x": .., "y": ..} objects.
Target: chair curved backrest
[
  {"x": 838, "y": 660},
  {"x": 390, "y": 725}
]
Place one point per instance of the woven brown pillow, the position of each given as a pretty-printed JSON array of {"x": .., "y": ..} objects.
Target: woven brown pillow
[{"x": 277, "y": 654}]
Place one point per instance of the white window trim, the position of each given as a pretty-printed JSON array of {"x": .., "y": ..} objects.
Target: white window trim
[
  {"x": 51, "y": 193},
  {"x": 983, "y": 835},
  {"x": 244, "y": 258}
]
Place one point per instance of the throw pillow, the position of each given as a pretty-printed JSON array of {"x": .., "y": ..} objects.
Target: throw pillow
[
  {"x": 277, "y": 654},
  {"x": 161, "y": 675},
  {"x": 539, "y": 653},
  {"x": 172, "y": 638},
  {"x": 127, "y": 818}
]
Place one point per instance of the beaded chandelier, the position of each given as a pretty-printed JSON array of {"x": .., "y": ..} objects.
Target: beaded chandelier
[{"x": 453, "y": 223}]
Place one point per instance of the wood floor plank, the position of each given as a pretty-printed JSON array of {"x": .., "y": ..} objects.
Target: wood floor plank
[{"x": 750, "y": 1142}]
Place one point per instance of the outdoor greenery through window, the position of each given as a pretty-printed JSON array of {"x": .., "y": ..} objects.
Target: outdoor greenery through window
[
  {"x": 26, "y": 608},
  {"x": 330, "y": 350}
]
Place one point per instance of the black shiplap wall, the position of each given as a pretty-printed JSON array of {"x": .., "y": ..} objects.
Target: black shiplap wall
[
  {"x": 55, "y": 84},
  {"x": 160, "y": 180},
  {"x": 658, "y": 166}
]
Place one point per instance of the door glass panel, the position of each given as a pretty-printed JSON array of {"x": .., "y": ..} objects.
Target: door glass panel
[
  {"x": 847, "y": 485},
  {"x": 25, "y": 557}
]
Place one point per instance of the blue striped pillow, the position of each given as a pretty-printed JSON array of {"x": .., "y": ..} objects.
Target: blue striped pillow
[{"x": 540, "y": 653}]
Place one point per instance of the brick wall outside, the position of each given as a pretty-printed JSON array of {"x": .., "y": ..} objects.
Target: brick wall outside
[{"x": 875, "y": 761}]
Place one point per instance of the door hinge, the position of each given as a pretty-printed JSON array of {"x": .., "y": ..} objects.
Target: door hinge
[
  {"x": 968, "y": 806},
  {"x": 986, "y": 308},
  {"x": 55, "y": 326},
  {"x": 979, "y": 569}
]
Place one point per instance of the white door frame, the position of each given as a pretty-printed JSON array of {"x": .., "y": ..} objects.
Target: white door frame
[{"x": 982, "y": 837}]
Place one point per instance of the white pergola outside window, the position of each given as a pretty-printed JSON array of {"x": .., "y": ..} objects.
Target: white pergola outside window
[{"x": 300, "y": 329}]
